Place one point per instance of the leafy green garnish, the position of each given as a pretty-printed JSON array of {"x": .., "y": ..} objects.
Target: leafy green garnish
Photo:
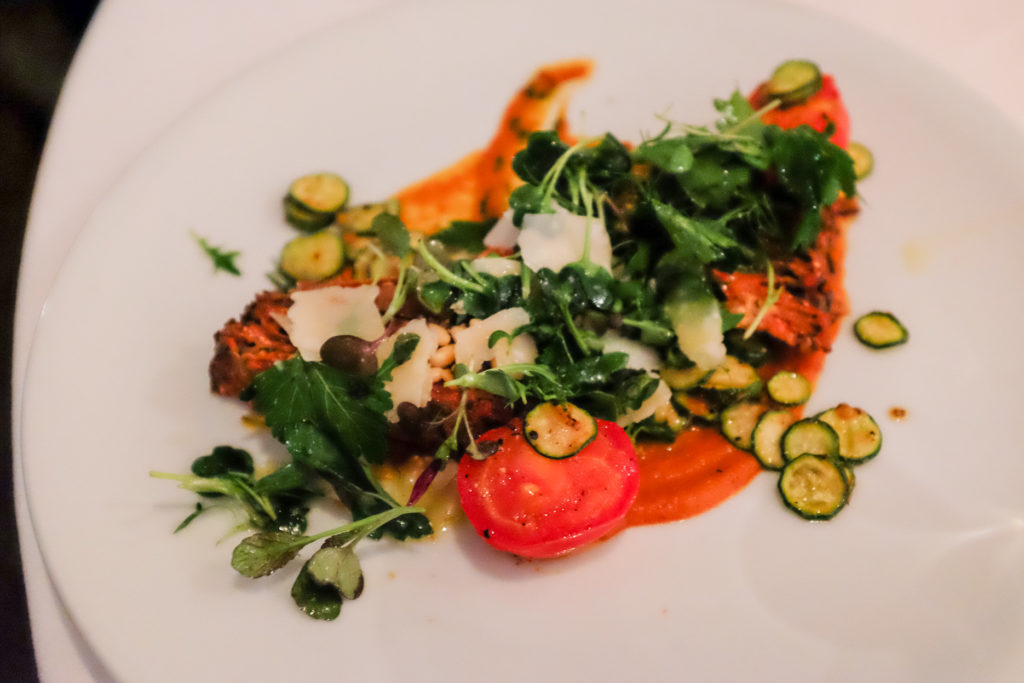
[
  {"x": 331, "y": 575},
  {"x": 274, "y": 502},
  {"x": 465, "y": 235},
  {"x": 222, "y": 259}
]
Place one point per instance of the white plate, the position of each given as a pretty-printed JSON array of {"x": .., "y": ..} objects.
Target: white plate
[{"x": 920, "y": 579}]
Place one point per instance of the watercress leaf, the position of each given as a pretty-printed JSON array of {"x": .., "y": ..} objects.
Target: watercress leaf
[
  {"x": 266, "y": 552},
  {"x": 811, "y": 170},
  {"x": 730, "y": 319},
  {"x": 339, "y": 568},
  {"x": 605, "y": 162},
  {"x": 404, "y": 347},
  {"x": 465, "y": 235},
  {"x": 737, "y": 115},
  {"x": 434, "y": 295},
  {"x": 288, "y": 478},
  {"x": 221, "y": 460},
  {"x": 704, "y": 240},
  {"x": 672, "y": 155},
  {"x": 543, "y": 148},
  {"x": 392, "y": 233},
  {"x": 316, "y": 600},
  {"x": 595, "y": 371},
  {"x": 525, "y": 199}
]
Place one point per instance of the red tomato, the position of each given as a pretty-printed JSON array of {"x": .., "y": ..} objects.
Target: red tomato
[
  {"x": 524, "y": 503},
  {"x": 824, "y": 107}
]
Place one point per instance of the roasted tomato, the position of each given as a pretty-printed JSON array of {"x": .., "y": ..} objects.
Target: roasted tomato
[{"x": 527, "y": 504}]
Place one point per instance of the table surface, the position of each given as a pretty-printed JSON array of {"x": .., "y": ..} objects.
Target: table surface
[{"x": 112, "y": 108}]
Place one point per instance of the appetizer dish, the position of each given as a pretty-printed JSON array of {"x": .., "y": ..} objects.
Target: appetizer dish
[{"x": 558, "y": 337}]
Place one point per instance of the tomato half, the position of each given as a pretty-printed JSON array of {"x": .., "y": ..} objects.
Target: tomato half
[
  {"x": 524, "y": 503},
  {"x": 824, "y": 107}
]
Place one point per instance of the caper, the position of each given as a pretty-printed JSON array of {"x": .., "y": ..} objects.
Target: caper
[{"x": 351, "y": 354}]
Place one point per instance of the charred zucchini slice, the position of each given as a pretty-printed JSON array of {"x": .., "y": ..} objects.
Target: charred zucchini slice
[
  {"x": 559, "y": 430},
  {"x": 679, "y": 379},
  {"x": 789, "y": 388},
  {"x": 360, "y": 218},
  {"x": 313, "y": 257},
  {"x": 739, "y": 421},
  {"x": 313, "y": 200},
  {"x": 734, "y": 377},
  {"x": 880, "y": 330},
  {"x": 860, "y": 438},
  {"x": 794, "y": 81},
  {"x": 694, "y": 405},
  {"x": 810, "y": 436},
  {"x": 767, "y": 438},
  {"x": 814, "y": 487}
]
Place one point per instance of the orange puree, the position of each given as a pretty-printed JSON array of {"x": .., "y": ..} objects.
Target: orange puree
[{"x": 478, "y": 186}]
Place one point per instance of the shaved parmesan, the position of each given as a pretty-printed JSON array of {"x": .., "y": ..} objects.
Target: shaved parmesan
[
  {"x": 698, "y": 327},
  {"x": 497, "y": 267},
  {"x": 554, "y": 240},
  {"x": 641, "y": 356},
  {"x": 316, "y": 315},
  {"x": 471, "y": 347},
  {"x": 661, "y": 396},
  {"x": 503, "y": 234},
  {"x": 411, "y": 382}
]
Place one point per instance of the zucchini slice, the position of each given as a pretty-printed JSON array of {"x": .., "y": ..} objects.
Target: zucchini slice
[
  {"x": 559, "y": 430},
  {"x": 810, "y": 436},
  {"x": 684, "y": 378},
  {"x": 794, "y": 81},
  {"x": 739, "y": 420},
  {"x": 313, "y": 257},
  {"x": 860, "y": 438},
  {"x": 814, "y": 487},
  {"x": 734, "y": 377},
  {"x": 360, "y": 218},
  {"x": 313, "y": 200},
  {"x": 696, "y": 406},
  {"x": 863, "y": 160},
  {"x": 880, "y": 330},
  {"x": 767, "y": 438},
  {"x": 789, "y": 388}
]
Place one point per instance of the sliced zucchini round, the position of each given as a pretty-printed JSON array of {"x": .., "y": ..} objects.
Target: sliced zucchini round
[
  {"x": 694, "y": 405},
  {"x": 860, "y": 438},
  {"x": 320, "y": 192},
  {"x": 738, "y": 422},
  {"x": 734, "y": 377},
  {"x": 814, "y": 487},
  {"x": 789, "y": 388},
  {"x": 303, "y": 219},
  {"x": 794, "y": 81},
  {"x": 810, "y": 436},
  {"x": 559, "y": 430},
  {"x": 767, "y": 438},
  {"x": 684, "y": 378},
  {"x": 863, "y": 159},
  {"x": 313, "y": 257},
  {"x": 360, "y": 218},
  {"x": 880, "y": 330}
]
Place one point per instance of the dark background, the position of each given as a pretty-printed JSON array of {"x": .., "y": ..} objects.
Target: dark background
[{"x": 37, "y": 41}]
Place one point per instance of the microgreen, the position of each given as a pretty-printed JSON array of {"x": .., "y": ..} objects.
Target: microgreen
[{"x": 222, "y": 259}]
